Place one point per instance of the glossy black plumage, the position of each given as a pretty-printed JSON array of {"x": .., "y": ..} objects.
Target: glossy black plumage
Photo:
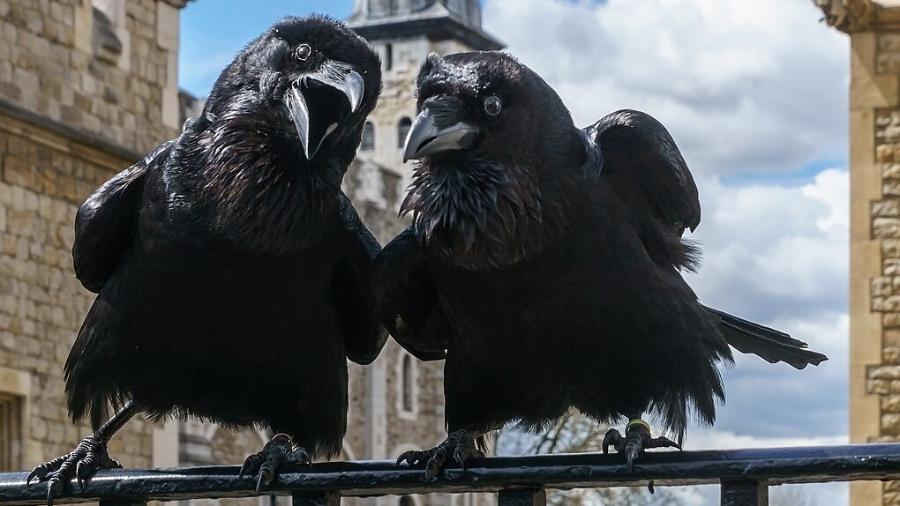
[
  {"x": 231, "y": 271},
  {"x": 544, "y": 260}
]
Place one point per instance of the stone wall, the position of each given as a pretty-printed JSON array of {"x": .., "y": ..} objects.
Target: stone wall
[
  {"x": 53, "y": 62},
  {"x": 874, "y": 228},
  {"x": 84, "y": 91},
  {"x": 43, "y": 178}
]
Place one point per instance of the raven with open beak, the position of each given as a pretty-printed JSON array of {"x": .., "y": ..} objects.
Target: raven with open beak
[{"x": 231, "y": 272}]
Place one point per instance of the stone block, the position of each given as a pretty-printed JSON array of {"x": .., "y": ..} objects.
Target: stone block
[
  {"x": 886, "y": 227},
  {"x": 881, "y": 286}
]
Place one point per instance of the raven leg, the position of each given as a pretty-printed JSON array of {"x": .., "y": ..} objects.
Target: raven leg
[
  {"x": 637, "y": 439},
  {"x": 460, "y": 445},
  {"x": 279, "y": 450},
  {"x": 84, "y": 461}
]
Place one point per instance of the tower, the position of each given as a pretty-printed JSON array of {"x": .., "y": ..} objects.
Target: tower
[
  {"x": 873, "y": 27},
  {"x": 403, "y": 406}
]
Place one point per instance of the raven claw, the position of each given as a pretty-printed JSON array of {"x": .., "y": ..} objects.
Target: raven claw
[
  {"x": 459, "y": 446},
  {"x": 81, "y": 463},
  {"x": 279, "y": 450},
  {"x": 637, "y": 439}
]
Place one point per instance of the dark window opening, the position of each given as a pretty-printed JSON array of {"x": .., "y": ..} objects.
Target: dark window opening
[
  {"x": 407, "y": 383},
  {"x": 368, "y": 137},
  {"x": 402, "y": 131},
  {"x": 10, "y": 432}
]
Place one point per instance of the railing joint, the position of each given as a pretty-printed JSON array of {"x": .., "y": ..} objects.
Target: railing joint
[
  {"x": 316, "y": 499},
  {"x": 522, "y": 497},
  {"x": 744, "y": 492},
  {"x": 123, "y": 502}
]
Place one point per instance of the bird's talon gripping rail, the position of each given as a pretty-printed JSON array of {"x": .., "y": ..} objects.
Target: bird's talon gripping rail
[{"x": 744, "y": 477}]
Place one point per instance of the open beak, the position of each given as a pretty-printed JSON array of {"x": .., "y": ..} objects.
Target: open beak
[
  {"x": 439, "y": 128},
  {"x": 320, "y": 100}
]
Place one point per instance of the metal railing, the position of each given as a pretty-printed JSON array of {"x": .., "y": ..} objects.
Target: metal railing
[{"x": 744, "y": 477}]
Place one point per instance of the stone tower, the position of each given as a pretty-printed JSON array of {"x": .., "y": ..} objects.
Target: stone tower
[
  {"x": 874, "y": 30},
  {"x": 403, "y": 406}
]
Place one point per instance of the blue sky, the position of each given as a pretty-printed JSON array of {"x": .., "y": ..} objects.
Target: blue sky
[
  {"x": 755, "y": 95},
  {"x": 212, "y": 32}
]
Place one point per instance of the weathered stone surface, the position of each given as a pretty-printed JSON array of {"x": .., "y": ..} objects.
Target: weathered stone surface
[
  {"x": 889, "y": 207},
  {"x": 878, "y": 386},
  {"x": 891, "y": 355},
  {"x": 882, "y": 286},
  {"x": 885, "y": 372},
  {"x": 45, "y": 38},
  {"x": 886, "y": 227}
]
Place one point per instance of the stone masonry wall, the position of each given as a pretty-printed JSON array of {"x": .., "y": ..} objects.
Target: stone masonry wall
[
  {"x": 41, "y": 303},
  {"x": 881, "y": 50},
  {"x": 49, "y": 65}
]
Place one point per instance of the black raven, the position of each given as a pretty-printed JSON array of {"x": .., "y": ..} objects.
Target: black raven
[
  {"x": 231, "y": 272},
  {"x": 543, "y": 262}
]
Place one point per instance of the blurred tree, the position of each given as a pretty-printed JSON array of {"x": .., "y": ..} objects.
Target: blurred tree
[{"x": 576, "y": 433}]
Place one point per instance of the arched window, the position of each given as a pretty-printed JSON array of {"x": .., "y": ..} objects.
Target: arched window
[
  {"x": 368, "y": 137},
  {"x": 109, "y": 29},
  {"x": 403, "y": 131},
  {"x": 408, "y": 393},
  {"x": 406, "y": 501}
]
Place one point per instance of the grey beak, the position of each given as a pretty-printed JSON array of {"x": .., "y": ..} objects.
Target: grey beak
[
  {"x": 426, "y": 137},
  {"x": 332, "y": 75}
]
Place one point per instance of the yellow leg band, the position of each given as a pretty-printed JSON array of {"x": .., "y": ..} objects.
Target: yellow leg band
[{"x": 637, "y": 421}]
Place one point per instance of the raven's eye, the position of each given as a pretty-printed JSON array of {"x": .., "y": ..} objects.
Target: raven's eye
[
  {"x": 303, "y": 52},
  {"x": 492, "y": 105}
]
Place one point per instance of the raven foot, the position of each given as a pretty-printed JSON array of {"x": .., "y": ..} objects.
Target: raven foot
[
  {"x": 81, "y": 463},
  {"x": 279, "y": 450},
  {"x": 637, "y": 439},
  {"x": 459, "y": 445}
]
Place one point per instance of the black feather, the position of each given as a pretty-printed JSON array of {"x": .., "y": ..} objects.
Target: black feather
[
  {"x": 233, "y": 274},
  {"x": 544, "y": 262}
]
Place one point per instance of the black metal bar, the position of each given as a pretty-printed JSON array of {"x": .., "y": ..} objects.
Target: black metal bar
[
  {"x": 522, "y": 497},
  {"x": 737, "y": 492},
  {"x": 113, "y": 502},
  {"x": 372, "y": 478},
  {"x": 317, "y": 499}
]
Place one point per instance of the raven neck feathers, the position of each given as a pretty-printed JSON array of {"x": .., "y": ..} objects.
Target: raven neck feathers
[
  {"x": 257, "y": 189},
  {"x": 479, "y": 213}
]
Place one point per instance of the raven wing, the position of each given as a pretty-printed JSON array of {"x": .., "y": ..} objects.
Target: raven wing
[
  {"x": 407, "y": 298},
  {"x": 104, "y": 224},
  {"x": 637, "y": 156},
  {"x": 351, "y": 287},
  {"x": 644, "y": 163}
]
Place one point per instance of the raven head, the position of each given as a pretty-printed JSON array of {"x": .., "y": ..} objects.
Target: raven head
[
  {"x": 491, "y": 136},
  {"x": 312, "y": 79}
]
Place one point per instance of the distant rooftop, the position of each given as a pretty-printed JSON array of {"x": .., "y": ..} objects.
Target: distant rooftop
[{"x": 379, "y": 19}]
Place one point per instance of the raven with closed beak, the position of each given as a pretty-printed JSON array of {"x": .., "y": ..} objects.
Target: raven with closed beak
[
  {"x": 544, "y": 263},
  {"x": 231, "y": 272}
]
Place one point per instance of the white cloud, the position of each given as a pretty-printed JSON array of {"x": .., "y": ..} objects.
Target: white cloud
[
  {"x": 779, "y": 255},
  {"x": 742, "y": 86},
  {"x": 785, "y": 247}
]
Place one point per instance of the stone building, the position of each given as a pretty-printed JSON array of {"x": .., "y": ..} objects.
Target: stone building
[
  {"x": 874, "y": 30},
  {"x": 86, "y": 88}
]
